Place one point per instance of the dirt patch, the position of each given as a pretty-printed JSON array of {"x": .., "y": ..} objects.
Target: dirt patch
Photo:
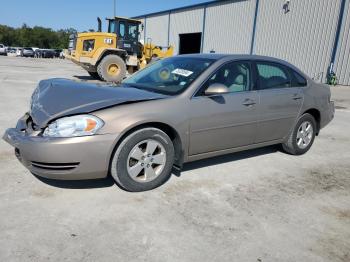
[
  {"x": 43, "y": 193},
  {"x": 183, "y": 187},
  {"x": 342, "y": 214},
  {"x": 319, "y": 180},
  {"x": 7, "y": 155},
  {"x": 333, "y": 249},
  {"x": 325, "y": 180}
]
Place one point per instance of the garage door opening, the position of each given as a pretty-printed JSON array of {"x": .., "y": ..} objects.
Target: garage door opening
[{"x": 190, "y": 43}]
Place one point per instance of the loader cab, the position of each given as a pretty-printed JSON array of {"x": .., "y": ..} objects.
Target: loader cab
[{"x": 127, "y": 31}]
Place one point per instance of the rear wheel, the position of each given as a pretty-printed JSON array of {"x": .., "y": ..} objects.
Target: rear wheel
[
  {"x": 143, "y": 161},
  {"x": 94, "y": 75},
  {"x": 112, "y": 68},
  {"x": 302, "y": 137}
]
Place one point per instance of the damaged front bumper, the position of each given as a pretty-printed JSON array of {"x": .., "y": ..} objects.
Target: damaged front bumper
[{"x": 73, "y": 158}]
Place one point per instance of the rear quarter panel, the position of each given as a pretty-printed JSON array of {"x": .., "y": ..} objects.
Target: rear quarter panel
[{"x": 317, "y": 96}]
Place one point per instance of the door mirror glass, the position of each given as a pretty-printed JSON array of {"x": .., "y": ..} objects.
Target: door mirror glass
[{"x": 216, "y": 89}]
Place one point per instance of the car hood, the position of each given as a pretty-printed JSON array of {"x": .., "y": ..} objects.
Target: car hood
[{"x": 55, "y": 98}]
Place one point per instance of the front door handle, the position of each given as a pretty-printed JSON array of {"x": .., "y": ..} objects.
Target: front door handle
[{"x": 248, "y": 102}]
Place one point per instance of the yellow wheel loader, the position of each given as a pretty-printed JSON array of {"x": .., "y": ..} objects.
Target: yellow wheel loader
[{"x": 109, "y": 55}]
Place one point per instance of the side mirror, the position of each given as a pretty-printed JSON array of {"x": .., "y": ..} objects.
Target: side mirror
[{"x": 216, "y": 89}]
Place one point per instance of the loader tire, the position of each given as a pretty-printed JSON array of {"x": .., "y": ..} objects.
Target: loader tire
[{"x": 112, "y": 68}]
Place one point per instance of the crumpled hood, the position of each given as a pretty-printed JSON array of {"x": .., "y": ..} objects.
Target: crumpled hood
[{"x": 55, "y": 98}]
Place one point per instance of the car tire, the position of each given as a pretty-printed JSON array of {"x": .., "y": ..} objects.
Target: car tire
[
  {"x": 135, "y": 168},
  {"x": 94, "y": 75},
  {"x": 302, "y": 137},
  {"x": 112, "y": 68}
]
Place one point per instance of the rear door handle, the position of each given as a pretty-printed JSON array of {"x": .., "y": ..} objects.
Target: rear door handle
[
  {"x": 248, "y": 102},
  {"x": 297, "y": 97}
]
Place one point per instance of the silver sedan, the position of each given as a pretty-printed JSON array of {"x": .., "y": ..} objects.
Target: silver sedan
[{"x": 177, "y": 110}]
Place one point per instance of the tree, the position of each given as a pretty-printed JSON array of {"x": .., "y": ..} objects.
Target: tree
[{"x": 37, "y": 36}]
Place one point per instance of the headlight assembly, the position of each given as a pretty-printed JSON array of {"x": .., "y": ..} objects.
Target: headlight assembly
[{"x": 73, "y": 126}]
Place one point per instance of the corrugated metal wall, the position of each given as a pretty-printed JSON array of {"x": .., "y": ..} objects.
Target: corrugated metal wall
[
  {"x": 157, "y": 29},
  {"x": 185, "y": 21},
  {"x": 229, "y": 26},
  {"x": 342, "y": 61},
  {"x": 304, "y": 36}
]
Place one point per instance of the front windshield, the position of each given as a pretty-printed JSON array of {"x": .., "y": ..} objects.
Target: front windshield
[{"x": 169, "y": 76}]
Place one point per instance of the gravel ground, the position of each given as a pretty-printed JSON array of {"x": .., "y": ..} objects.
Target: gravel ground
[{"x": 258, "y": 205}]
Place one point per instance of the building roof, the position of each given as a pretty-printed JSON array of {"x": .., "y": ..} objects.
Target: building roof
[{"x": 180, "y": 8}]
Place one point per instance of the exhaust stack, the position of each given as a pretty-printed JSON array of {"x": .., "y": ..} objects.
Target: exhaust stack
[{"x": 99, "y": 25}]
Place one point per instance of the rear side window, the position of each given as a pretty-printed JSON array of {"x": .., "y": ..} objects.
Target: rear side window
[
  {"x": 89, "y": 45},
  {"x": 272, "y": 76},
  {"x": 298, "y": 79}
]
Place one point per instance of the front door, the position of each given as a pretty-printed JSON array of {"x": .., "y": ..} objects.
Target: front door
[
  {"x": 280, "y": 101},
  {"x": 225, "y": 121}
]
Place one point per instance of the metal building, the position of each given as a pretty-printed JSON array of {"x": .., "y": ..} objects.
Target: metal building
[{"x": 311, "y": 34}]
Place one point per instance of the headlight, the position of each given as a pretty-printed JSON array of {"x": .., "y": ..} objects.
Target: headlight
[{"x": 81, "y": 125}]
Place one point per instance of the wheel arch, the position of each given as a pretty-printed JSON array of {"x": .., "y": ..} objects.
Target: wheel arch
[
  {"x": 169, "y": 130},
  {"x": 317, "y": 115},
  {"x": 119, "y": 52}
]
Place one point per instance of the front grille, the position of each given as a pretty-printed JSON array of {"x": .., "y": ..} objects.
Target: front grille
[{"x": 55, "y": 166}]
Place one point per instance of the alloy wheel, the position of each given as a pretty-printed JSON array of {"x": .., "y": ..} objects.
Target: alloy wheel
[
  {"x": 304, "y": 134},
  {"x": 146, "y": 161}
]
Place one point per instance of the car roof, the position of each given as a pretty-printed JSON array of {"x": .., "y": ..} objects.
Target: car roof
[{"x": 216, "y": 56}]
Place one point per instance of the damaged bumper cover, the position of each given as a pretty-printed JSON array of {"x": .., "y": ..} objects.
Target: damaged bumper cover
[{"x": 73, "y": 158}]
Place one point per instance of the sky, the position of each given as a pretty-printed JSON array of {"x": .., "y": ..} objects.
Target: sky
[{"x": 78, "y": 14}]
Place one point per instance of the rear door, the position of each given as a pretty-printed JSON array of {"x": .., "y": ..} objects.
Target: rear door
[
  {"x": 224, "y": 121},
  {"x": 280, "y": 101}
]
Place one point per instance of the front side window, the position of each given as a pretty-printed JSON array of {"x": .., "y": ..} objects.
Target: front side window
[
  {"x": 272, "y": 76},
  {"x": 169, "y": 76},
  {"x": 235, "y": 76},
  {"x": 88, "y": 45},
  {"x": 133, "y": 31}
]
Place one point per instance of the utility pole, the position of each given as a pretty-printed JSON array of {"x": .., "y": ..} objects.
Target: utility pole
[{"x": 114, "y": 8}]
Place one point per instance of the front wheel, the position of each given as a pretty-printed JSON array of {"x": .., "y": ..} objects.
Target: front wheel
[
  {"x": 302, "y": 136},
  {"x": 143, "y": 160}
]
